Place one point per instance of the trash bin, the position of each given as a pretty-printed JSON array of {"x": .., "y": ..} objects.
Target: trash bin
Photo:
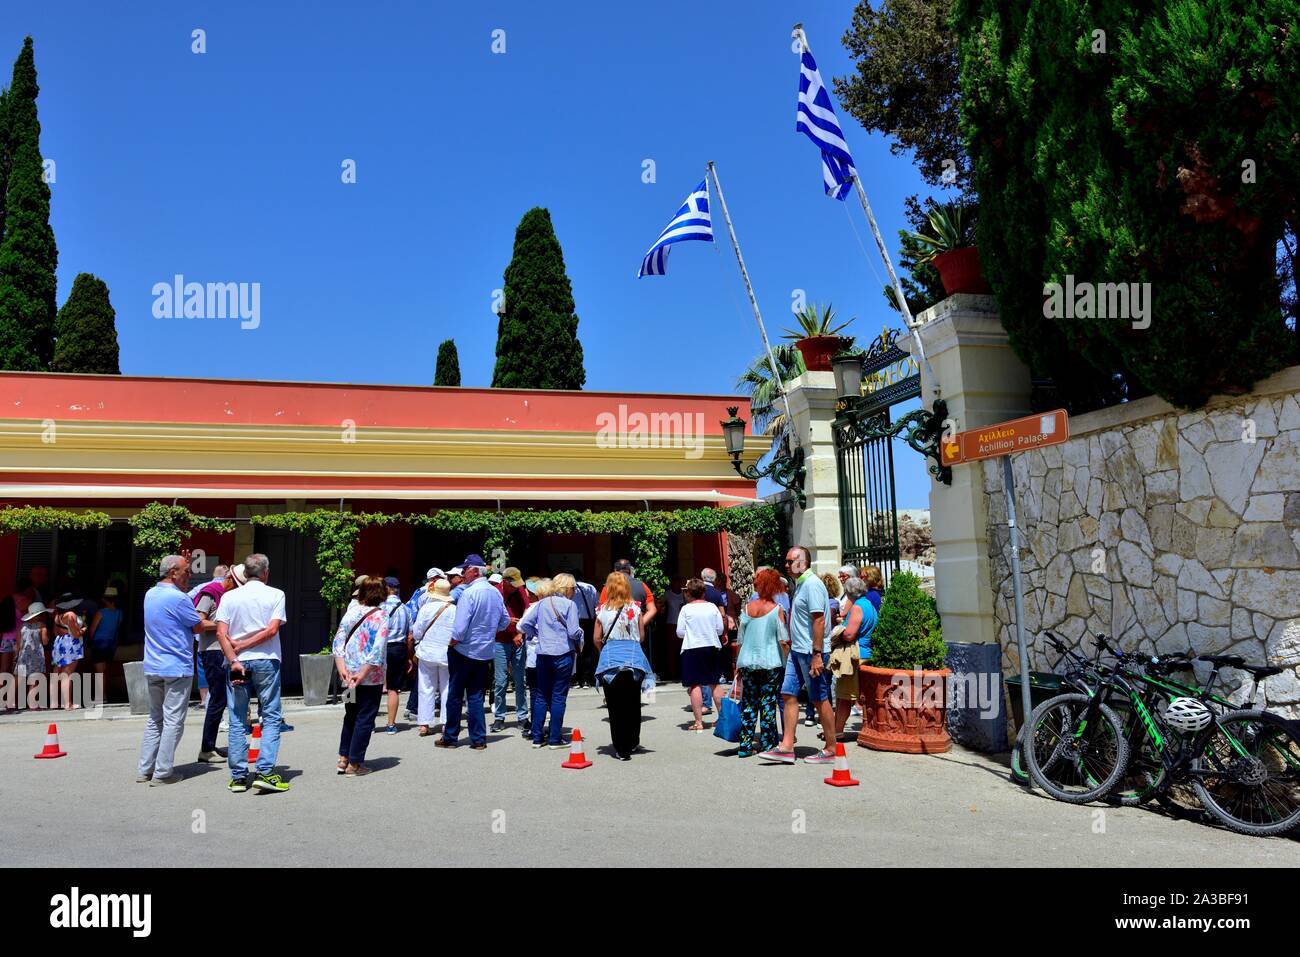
[{"x": 1042, "y": 685}]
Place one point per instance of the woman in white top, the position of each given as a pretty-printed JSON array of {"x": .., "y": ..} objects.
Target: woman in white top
[
  {"x": 432, "y": 635},
  {"x": 700, "y": 627}
]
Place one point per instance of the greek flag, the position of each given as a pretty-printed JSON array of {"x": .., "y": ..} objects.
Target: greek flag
[
  {"x": 816, "y": 120},
  {"x": 691, "y": 222}
]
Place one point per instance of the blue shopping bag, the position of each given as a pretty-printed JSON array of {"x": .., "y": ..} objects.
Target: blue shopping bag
[{"x": 727, "y": 727}]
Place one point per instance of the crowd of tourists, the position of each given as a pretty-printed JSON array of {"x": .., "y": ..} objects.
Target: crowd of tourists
[
  {"x": 798, "y": 637},
  {"x": 48, "y": 634}
]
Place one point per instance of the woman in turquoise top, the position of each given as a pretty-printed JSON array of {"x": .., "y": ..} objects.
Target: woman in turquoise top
[
  {"x": 761, "y": 663},
  {"x": 103, "y": 631},
  {"x": 859, "y": 623}
]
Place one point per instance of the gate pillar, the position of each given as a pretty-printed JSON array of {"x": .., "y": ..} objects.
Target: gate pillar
[
  {"x": 983, "y": 382},
  {"x": 817, "y": 525}
]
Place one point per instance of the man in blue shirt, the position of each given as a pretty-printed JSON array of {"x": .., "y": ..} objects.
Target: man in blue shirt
[
  {"x": 170, "y": 619},
  {"x": 805, "y": 667},
  {"x": 480, "y": 614}
]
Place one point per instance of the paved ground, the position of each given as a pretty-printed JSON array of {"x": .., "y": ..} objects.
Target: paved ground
[{"x": 682, "y": 802}]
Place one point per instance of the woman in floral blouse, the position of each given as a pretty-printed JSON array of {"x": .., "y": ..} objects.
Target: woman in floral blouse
[{"x": 360, "y": 645}]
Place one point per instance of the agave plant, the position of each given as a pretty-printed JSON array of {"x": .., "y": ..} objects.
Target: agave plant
[
  {"x": 815, "y": 320},
  {"x": 953, "y": 227},
  {"x": 764, "y": 397}
]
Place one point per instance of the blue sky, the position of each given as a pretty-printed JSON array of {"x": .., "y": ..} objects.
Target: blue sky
[{"x": 226, "y": 167}]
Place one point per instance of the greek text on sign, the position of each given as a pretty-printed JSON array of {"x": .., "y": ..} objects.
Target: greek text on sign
[{"x": 1007, "y": 438}]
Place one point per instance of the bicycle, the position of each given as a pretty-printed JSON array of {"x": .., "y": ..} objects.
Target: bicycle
[
  {"x": 1244, "y": 764},
  {"x": 1074, "y": 676},
  {"x": 1078, "y": 749}
]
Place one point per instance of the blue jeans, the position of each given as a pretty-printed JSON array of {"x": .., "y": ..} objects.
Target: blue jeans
[
  {"x": 798, "y": 675},
  {"x": 465, "y": 677},
  {"x": 508, "y": 656},
  {"x": 359, "y": 723},
  {"x": 554, "y": 673},
  {"x": 262, "y": 676}
]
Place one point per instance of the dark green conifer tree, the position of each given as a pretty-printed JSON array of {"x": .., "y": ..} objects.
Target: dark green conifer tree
[{"x": 537, "y": 333}]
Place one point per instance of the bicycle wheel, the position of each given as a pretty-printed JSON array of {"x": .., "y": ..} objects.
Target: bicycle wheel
[
  {"x": 1248, "y": 776},
  {"x": 1018, "y": 773},
  {"x": 1071, "y": 758}
]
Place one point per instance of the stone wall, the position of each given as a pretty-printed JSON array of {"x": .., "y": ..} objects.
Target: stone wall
[{"x": 1169, "y": 531}]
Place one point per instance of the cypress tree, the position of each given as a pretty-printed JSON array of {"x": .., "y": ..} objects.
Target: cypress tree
[
  {"x": 28, "y": 255},
  {"x": 447, "y": 372},
  {"x": 86, "y": 330},
  {"x": 537, "y": 333},
  {"x": 4, "y": 155}
]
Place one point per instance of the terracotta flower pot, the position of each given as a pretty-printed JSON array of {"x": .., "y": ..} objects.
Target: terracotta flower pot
[
  {"x": 904, "y": 711},
  {"x": 959, "y": 271},
  {"x": 817, "y": 352}
]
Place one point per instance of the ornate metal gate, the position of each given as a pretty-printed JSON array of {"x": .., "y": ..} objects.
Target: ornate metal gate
[{"x": 864, "y": 453}]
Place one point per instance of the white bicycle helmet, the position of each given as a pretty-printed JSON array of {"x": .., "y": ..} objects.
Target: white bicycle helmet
[{"x": 1187, "y": 715}]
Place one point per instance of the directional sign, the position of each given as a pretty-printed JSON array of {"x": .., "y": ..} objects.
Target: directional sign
[{"x": 1006, "y": 438}]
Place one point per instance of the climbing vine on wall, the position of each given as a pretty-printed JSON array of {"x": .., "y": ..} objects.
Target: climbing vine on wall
[
  {"x": 336, "y": 536},
  {"x": 163, "y": 529},
  {"x": 43, "y": 518}
]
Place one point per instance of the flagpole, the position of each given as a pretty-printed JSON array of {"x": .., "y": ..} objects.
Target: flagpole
[
  {"x": 899, "y": 297},
  {"x": 758, "y": 316}
]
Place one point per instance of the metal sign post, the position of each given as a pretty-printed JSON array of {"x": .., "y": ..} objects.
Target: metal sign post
[{"x": 1009, "y": 490}]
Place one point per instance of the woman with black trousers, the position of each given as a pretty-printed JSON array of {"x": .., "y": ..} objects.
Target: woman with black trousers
[
  {"x": 359, "y": 650},
  {"x": 623, "y": 670}
]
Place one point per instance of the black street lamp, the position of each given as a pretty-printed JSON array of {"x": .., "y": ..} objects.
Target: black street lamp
[
  {"x": 786, "y": 468},
  {"x": 847, "y": 367}
]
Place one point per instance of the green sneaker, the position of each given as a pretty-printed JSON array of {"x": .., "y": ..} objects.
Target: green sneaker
[
  {"x": 270, "y": 782},
  {"x": 237, "y": 785}
]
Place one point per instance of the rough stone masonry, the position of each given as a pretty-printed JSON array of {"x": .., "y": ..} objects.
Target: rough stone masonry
[{"x": 1172, "y": 532}]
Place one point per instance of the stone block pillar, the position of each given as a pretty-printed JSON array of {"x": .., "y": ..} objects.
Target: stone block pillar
[
  {"x": 812, "y": 407},
  {"x": 983, "y": 382}
]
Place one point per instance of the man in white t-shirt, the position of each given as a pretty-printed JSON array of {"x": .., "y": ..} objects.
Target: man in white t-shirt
[{"x": 248, "y": 629}]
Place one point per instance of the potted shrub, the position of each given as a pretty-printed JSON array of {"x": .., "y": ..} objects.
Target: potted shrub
[
  {"x": 817, "y": 338},
  {"x": 317, "y": 676},
  {"x": 904, "y": 691},
  {"x": 949, "y": 245}
]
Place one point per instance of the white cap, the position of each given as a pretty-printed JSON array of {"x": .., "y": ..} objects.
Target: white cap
[
  {"x": 456, "y": 571},
  {"x": 495, "y": 578},
  {"x": 433, "y": 573}
]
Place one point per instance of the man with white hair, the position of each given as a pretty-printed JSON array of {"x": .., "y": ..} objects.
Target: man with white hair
[
  {"x": 248, "y": 629},
  {"x": 169, "y": 622}
]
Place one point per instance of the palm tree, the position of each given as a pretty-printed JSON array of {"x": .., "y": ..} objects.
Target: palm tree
[{"x": 764, "y": 398}]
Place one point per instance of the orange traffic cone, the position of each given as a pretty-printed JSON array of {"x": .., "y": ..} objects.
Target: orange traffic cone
[
  {"x": 577, "y": 760},
  {"x": 51, "y": 749},
  {"x": 255, "y": 745},
  {"x": 840, "y": 777}
]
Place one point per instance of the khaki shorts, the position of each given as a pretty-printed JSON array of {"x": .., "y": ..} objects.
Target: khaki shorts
[{"x": 846, "y": 687}]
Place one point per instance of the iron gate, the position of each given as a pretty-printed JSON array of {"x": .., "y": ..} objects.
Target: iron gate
[{"x": 864, "y": 454}]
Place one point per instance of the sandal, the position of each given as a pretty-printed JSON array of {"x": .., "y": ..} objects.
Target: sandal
[
  {"x": 356, "y": 771},
  {"x": 696, "y": 729},
  {"x": 342, "y": 766},
  {"x": 425, "y": 731}
]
